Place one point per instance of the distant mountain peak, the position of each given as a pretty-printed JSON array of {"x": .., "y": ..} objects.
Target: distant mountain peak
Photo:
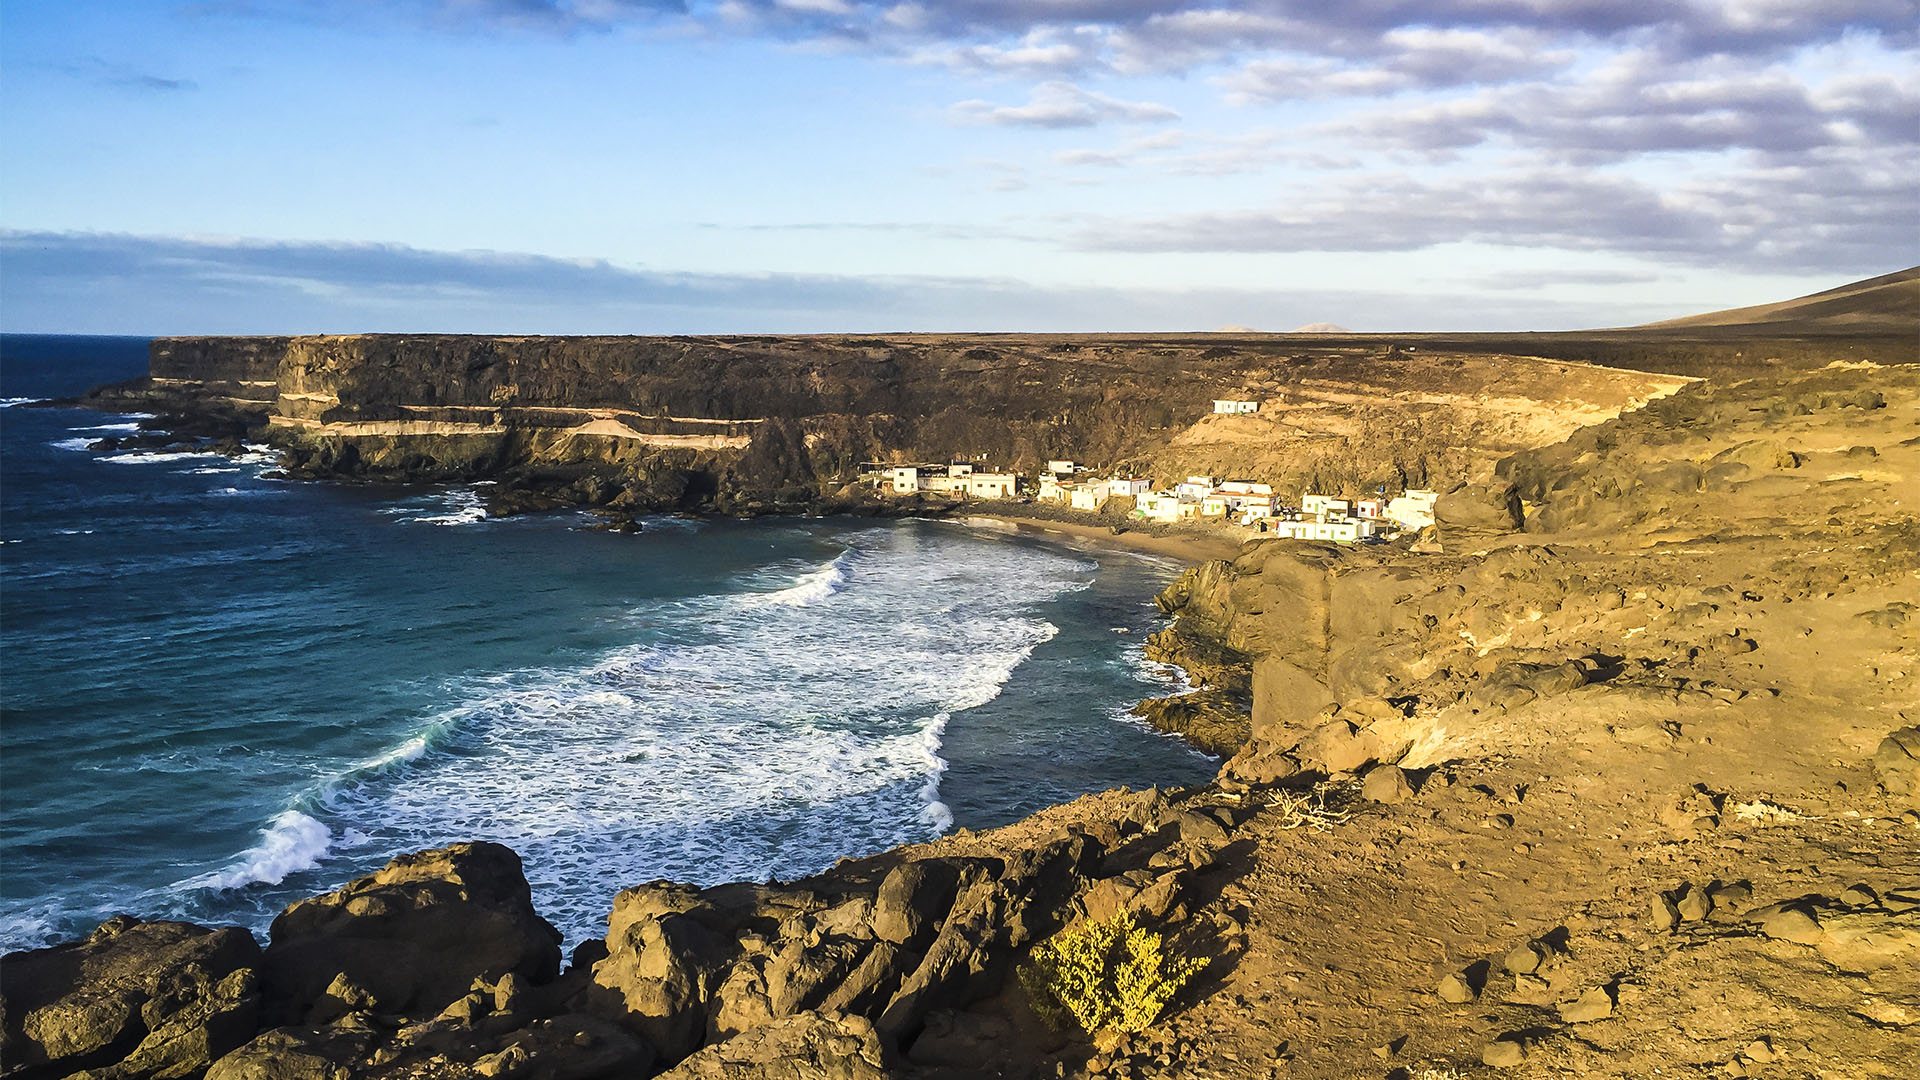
[{"x": 1321, "y": 328}]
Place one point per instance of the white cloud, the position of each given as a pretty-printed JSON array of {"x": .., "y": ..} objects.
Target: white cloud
[{"x": 1060, "y": 104}]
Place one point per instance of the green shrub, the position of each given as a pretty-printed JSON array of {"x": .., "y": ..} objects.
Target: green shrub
[{"x": 1108, "y": 976}]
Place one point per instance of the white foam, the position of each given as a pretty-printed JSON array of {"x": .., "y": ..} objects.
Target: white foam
[
  {"x": 109, "y": 427},
  {"x": 72, "y": 444},
  {"x": 8, "y": 403},
  {"x": 292, "y": 842},
  {"x": 737, "y": 741},
  {"x": 159, "y": 457},
  {"x": 461, "y": 506},
  {"x": 812, "y": 587}
]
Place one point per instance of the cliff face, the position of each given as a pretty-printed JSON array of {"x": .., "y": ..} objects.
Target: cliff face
[{"x": 729, "y": 421}]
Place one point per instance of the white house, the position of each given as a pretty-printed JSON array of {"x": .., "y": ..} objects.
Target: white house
[
  {"x": 1368, "y": 508},
  {"x": 1050, "y": 489},
  {"x": 1061, "y": 467},
  {"x": 1086, "y": 496},
  {"x": 990, "y": 485},
  {"x": 1222, "y": 405},
  {"x": 1214, "y": 504},
  {"x": 1254, "y": 510},
  {"x": 1126, "y": 486},
  {"x": 903, "y": 479},
  {"x": 1194, "y": 487},
  {"x": 1324, "y": 506},
  {"x": 959, "y": 468},
  {"x": 1157, "y": 505},
  {"x": 1413, "y": 510}
]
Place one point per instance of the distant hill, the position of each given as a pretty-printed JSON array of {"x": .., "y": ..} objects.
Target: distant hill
[
  {"x": 1888, "y": 303},
  {"x": 1321, "y": 328}
]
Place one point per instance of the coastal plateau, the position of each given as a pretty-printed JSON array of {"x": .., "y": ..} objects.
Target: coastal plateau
[{"x": 1615, "y": 773}]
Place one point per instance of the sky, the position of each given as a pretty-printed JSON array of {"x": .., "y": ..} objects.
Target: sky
[{"x": 754, "y": 166}]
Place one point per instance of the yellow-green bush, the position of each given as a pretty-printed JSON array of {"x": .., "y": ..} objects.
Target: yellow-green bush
[{"x": 1109, "y": 976}]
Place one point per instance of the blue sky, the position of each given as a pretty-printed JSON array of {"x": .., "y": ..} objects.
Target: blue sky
[{"x": 835, "y": 165}]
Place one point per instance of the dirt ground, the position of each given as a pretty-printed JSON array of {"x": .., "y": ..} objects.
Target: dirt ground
[{"x": 1688, "y": 870}]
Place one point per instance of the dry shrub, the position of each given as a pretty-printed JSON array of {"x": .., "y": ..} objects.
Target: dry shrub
[{"x": 1108, "y": 976}]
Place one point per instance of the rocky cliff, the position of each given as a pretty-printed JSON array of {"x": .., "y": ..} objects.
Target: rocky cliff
[{"x": 732, "y": 423}]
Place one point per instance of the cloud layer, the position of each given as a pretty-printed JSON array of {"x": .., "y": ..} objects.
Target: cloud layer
[{"x": 111, "y": 283}]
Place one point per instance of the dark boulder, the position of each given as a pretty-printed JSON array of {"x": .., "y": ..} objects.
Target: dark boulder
[{"x": 133, "y": 1000}]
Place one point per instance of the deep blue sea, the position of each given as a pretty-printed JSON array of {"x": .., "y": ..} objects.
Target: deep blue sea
[{"x": 222, "y": 692}]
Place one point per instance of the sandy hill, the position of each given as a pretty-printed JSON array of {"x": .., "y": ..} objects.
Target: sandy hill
[{"x": 1888, "y": 303}]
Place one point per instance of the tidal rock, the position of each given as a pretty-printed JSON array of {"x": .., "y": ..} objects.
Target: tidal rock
[
  {"x": 133, "y": 1000},
  {"x": 411, "y": 938},
  {"x": 806, "y": 1046}
]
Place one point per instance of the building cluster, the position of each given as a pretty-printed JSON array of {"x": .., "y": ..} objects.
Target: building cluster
[{"x": 1246, "y": 503}]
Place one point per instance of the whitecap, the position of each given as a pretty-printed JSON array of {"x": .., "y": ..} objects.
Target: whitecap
[
  {"x": 72, "y": 444},
  {"x": 158, "y": 457},
  {"x": 8, "y": 403},
  {"x": 458, "y": 507},
  {"x": 109, "y": 427},
  {"x": 292, "y": 842},
  {"x": 812, "y": 587}
]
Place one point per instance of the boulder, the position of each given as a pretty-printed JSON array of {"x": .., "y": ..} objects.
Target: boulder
[
  {"x": 411, "y": 938},
  {"x": 134, "y": 999},
  {"x": 1386, "y": 784},
  {"x": 806, "y": 1046},
  {"x": 1896, "y": 764},
  {"x": 1470, "y": 516}
]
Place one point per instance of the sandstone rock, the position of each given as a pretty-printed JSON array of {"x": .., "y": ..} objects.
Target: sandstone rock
[
  {"x": 960, "y": 1040},
  {"x": 1693, "y": 904},
  {"x": 1733, "y": 897},
  {"x": 294, "y": 1054},
  {"x": 1469, "y": 516},
  {"x": 912, "y": 899},
  {"x": 1595, "y": 1004},
  {"x": 1795, "y": 924},
  {"x": 1859, "y": 896},
  {"x": 1524, "y": 960},
  {"x": 1504, "y": 1052},
  {"x": 807, "y": 1046},
  {"x": 1896, "y": 764},
  {"x": 1664, "y": 914},
  {"x": 1457, "y": 988},
  {"x": 159, "y": 999},
  {"x": 412, "y": 937},
  {"x": 1386, "y": 784}
]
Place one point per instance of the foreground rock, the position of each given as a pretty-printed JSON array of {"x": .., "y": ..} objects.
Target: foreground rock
[
  {"x": 134, "y": 1000},
  {"x": 410, "y": 939}
]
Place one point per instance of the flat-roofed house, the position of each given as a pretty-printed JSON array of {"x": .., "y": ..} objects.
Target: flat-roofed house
[
  {"x": 1413, "y": 510},
  {"x": 991, "y": 485},
  {"x": 1213, "y": 504},
  {"x": 1088, "y": 496},
  {"x": 903, "y": 479},
  {"x": 1157, "y": 505},
  {"x": 1225, "y": 405},
  {"x": 1062, "y": 467},
  {"x": 1050, "y": 488},
  {"x": 1126, "y": 486},
  {"x": 1196, "y": 487}
]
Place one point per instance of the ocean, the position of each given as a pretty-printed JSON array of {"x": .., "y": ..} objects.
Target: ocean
[{"x": 220, "y": 692}]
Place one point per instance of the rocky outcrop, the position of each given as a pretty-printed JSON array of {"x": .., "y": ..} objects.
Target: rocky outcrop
[
  {"x": 409, "y": 939},
  {"x": 805, "y": 1046},
  {"x": 1472, "y": 516},
  {"x": 134, "y": 1000}
]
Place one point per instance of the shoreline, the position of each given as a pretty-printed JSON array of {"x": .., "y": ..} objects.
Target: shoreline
[{"x": 1190, "y": 550}]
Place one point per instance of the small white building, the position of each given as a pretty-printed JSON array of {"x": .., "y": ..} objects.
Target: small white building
[
  {"x": 1089, "y": 496},
  {"x": 944, "y": 484},
  {"x": 1222, "y": 405},
  {"x": 1126, "y": 486},
  {"x": 1062, "y": 467},
  {"x": 1368, "y": 508},
  {"x": 1213, "y": 504},
  {"x": 1324, "y": 506},
  {"x": 1194, "y": 487},
  {"x": 1157, "y": 506},
  {"x": 1413, "y": 510},
  {"x": 1254, "y": 510},
  {"x": 960, "y": 468},
  {"x": 903, "y": 479},
  {"x": 1050, "y": 488},
  {"x": 990, "y": 485}
]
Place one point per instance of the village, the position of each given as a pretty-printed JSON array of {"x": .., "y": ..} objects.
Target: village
[{"x": 1246, "y": 504}]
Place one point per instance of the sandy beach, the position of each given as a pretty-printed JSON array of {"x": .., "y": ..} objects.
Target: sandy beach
[{"x": 1189, "y": 549}]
